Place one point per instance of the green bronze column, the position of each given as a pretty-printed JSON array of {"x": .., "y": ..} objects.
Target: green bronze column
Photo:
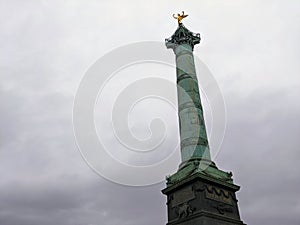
[
  {"x": 193, "y": 136},
  {"x": 199, "y": 192}
]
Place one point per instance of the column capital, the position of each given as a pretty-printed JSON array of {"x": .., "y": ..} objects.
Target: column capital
[{"x": 182, "y": 36}]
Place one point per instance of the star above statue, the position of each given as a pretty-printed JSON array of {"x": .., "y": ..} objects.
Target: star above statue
[{"x": 179, "y": 17}]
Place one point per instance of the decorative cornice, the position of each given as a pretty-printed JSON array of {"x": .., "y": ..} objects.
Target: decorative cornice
[{"x": 183, "y": 36}]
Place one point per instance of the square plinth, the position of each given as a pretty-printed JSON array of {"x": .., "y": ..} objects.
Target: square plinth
[{"x": 202, "y": 200}]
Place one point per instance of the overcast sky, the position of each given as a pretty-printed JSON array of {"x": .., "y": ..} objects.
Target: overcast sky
[{"x": 252, "y": 49}]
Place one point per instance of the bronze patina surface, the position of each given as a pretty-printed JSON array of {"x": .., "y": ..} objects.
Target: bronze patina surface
[{"x": 198, "y": 193}]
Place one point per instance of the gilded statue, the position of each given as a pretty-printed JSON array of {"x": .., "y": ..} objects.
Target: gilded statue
[{"x": 180, "y": 17}]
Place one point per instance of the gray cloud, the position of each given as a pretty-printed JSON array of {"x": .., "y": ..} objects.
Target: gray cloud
[{"x": 251, "y": 48}]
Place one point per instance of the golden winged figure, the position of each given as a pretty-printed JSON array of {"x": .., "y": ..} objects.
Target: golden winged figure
[{"x": 180, "y": 17}]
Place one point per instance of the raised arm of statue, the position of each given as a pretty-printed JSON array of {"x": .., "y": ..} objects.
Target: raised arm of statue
[{"x": 180, "y": 17}]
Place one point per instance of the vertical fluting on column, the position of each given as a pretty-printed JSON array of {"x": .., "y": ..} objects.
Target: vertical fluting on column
[{"x": 193, "y": 136}]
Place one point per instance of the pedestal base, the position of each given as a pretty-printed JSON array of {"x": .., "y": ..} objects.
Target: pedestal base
[{"x": 201, "y": 199}]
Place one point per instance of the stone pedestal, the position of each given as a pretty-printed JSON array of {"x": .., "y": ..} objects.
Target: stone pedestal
[{"x": 201, "y": 199}]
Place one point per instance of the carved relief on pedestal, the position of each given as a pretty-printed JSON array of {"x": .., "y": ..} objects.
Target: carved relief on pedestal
[
  {"x": 222, "y": 208},
  {"x": 218, "y": 194},
  {"x": 222, "y": 198},
  {"x": 182, "y": 196},
  {"x": 184, "y": 210},
  {"x": 179, "y": 202}
]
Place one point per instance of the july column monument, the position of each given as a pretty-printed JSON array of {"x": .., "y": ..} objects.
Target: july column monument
[{"x": 198, "y": 193}]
